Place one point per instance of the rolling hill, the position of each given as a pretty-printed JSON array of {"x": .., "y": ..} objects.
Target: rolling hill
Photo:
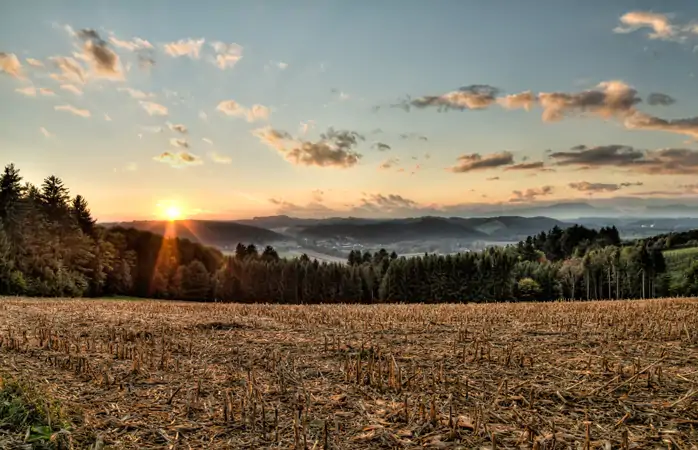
[{"x": 208, "y": 232}]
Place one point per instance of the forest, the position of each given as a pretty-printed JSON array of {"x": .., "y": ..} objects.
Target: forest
[{"x": 51, "y": 246}]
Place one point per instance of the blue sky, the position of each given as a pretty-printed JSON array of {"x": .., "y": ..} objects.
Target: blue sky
[{"x": 590, "y": 68}]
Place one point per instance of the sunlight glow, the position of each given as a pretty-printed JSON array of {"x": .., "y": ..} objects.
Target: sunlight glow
[
  {"x": 170, "y": 210},
  {"x": 173, "y": 212}
]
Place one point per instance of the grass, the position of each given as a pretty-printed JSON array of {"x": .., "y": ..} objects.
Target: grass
[
  {"x": 149, "y": 375},
  {"x": 29, "y": 417}
]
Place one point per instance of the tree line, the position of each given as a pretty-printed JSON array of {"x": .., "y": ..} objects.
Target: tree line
[{"x": 51, "y": 246}]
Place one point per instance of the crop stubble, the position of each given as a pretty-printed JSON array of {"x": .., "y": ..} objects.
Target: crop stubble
[{"x": 528, "y": 375}]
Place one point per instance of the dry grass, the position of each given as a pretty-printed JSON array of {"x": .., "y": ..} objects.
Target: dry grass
[{"x": 543, "y": 376}]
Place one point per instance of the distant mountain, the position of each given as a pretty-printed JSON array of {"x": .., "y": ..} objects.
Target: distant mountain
[
  {"x": 390, "y": 231},
  {"x": 208, "y": 232}
]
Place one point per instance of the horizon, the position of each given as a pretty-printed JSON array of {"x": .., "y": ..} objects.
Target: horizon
[{"x": 425, "y": 112}]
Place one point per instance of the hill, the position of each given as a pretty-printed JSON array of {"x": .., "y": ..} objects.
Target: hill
[{"x": 208, "y": 232}]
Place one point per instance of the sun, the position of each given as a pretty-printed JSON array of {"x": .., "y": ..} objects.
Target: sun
[{"x": 173, "y": 212}]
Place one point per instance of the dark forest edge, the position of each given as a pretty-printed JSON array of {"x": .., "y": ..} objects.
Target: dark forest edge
[{"x": 50, "y": 246}]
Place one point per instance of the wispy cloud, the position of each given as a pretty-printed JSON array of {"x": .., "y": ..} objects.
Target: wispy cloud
[
  {"x": 381, "y": 146},
  {"x": 219, "y": 158},
  {"x": 476, "y": 96},
  {"x": 71, "y": 88},
  {"x": 179, "y": 160},
  {"x": 207, "y": 140},
  {"x": 660, "y": 26},
  {"x": 233, "y": 108},
  {"x": 180, "y": 143},
  {"x": 178, "y": 127},
  {"x": 389, "y": 163},
  {"x": 46, "y": 133},
  {"x": 135, "y": 93},
  {"x": 475, "y": 161},
  {"x": 73, "y": 110},
  {"x": 530, "y": 194},
  {"x": 132, "y": 45},
  {"x": 154, "y": 109},
  {"x": 227, "y": 55},
  {"x": 667, "y": 161},
  {"x": 585, "y": 186},
  {"x": 34, "y": 62},
  {"x": 185, "y": 47},
  {"x": 10, "y": 65},
  {"x": 71, "y": 70}
]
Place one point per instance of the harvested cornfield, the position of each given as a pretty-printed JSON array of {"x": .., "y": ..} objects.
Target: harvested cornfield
[{"x": 147, "y": 374}]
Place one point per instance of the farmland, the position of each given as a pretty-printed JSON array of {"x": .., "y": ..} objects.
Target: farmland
[{"x": 147, "y": 374}]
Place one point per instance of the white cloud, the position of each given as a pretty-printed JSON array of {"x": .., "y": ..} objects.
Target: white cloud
[
  {"x": 29, "y": 91},
  {"x": 107, "y": 117},
  {"x": 305, "y": 126},
  {"x": 659, "y": 23},
  {"x": 179, "y": 160},
  {"x": 203, "y": 115},
  {"x": 132, "y": 45},
  {"x": 34, "y": 62},
  {"x": 282, "y": 65},
  {"x": 73, "y": 110},
  {"x": 180, "y": 128},
  {"x": 179, "y": 143},
  {"x": 46, "y": 92},
  {"x": 135, "y": 93},
  {"x": 45, "y": 132},
  {"x": 207, "y": 140},
  {"x": 185, "y": 47},
  {"x": 233, "y": 108},
  {"x": 154, "y": 109},
  {"x": 220, "y": 159},
  {"x": 10, "y": 65},
  {"x": 71, "y": 88},
  {"x": 71, "y": 70},
  {"x": 227, "y": 55}
]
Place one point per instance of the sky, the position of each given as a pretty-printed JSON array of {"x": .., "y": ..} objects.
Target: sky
[{"x": 228, "y": 110}]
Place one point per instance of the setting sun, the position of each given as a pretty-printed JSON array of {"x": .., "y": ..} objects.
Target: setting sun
[{"x": 173, "y": 212}]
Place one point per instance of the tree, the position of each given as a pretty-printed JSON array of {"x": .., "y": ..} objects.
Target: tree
[
  {"x": 528, "y": 289},
  {"x": 82, "y": 215},
  {"x": 54, "y": 198},
  {"x": 196, "y": 282},
  {"x": 269, "y": 254}
]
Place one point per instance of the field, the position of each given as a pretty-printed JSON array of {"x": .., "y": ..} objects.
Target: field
[{"x": 146, "y": 375}]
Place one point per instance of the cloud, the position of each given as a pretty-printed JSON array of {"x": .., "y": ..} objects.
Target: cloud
[
  {"x": 46, "y": 133},
  {"x": 181, "y": 143},
  {"x": 179, "y": 160},
  {"x": 657, "y": 98},
  {"x": 220, "y": 159},
  {"x": 413, "y": 136},
  {"x": 535, "y": 165},
  {"x": 104, "y": 61},
  {"x": 380, "y": 203},
  {"x": 107, "y": 117},
  {"x": 207, "y": 140},
  {"x": 474, "y": 161},
  {"x": 312, "y": 209},
  {"x": 135, "y": 93},
  {"x": 233, "y": 108},
  {"x": 530, "y": 194},
  {"x": 73, "y": 110},
  {"x": 46, "y": 92},
  {"x": 642, "y": 121},
  {"x": 71, "y": 88},
  {"x": 381, "y": 146},
  {"x": 523, "y": 100},
  {"x": 178, "y": 127},
  {"x": 493, "y": 178},
  {"x": 10, "y": 65},
  {"x": 335, "y": 148},
  {"x": 203, "y": 115},
  {"x": 282, "y": 65},
  {"x": 609, "y": 99},
  {"x": 660, "y": 24},
  {"x": 185, "y": 47},
  {"x": 668, "y": 161},
  {"x": 132, "y": 45},
  {"x": 476, "y": 96},
  {"x": 389, "y": 163},
  {"x": 71, "y": 70},
  {"x": 227, "y": 55},
  {"x": 29, "y": 91},
  {"x": 154, "y": 109},
  {"x": 34, "y": 62},
  {"x": 585, "y": 186},
  {"x": 305, "y": 126}
]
